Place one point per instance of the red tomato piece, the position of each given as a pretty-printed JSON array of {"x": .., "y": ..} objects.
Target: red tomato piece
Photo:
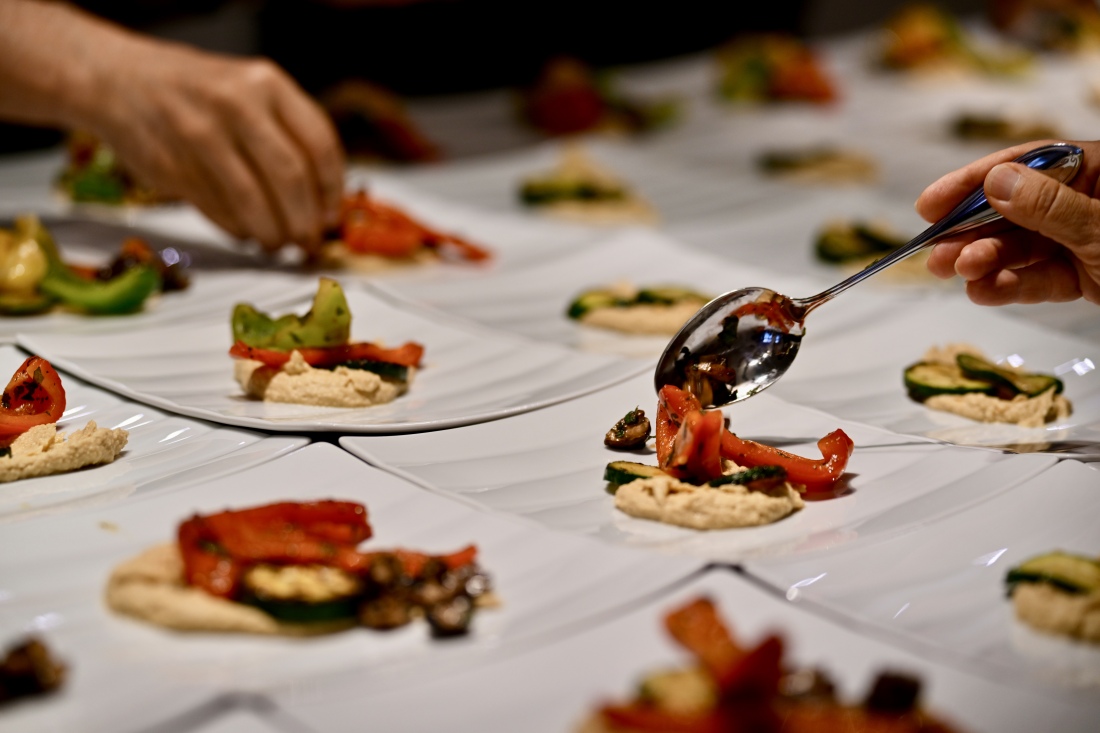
[
  {"x": 696, "y": 449},
  {"x": 34, "y": 396},
  {"x": 408, "y": 354}
]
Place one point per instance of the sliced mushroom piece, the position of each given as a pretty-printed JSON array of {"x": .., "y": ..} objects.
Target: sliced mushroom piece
[{"x": 629, "y": 433}]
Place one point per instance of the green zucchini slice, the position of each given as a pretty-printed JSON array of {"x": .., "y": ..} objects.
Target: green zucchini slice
[
  {"x": 1071, "y": 573},
  {"x": 928, "y": 378},
  {"x": 758, "y": 477},
  {"x": 1012, "y": 382},
  {"x": 618, "y": 473},
  {"x": 388, "y": 370},
  {"x": 669, "y": 295},
  {"x": 591, "y": 300},
  {"x": 343, "y": 609}
]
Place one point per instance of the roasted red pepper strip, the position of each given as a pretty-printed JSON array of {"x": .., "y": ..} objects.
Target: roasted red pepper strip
[
  {"x": 34, "y": 396},
  {"x": 371, "y": 227},
  {"x": 699, "y": 629},
  {"x": 816, "y": 475},
  {"x": 408, "y": 354},
  {"x": 673, "y": 404},
  {"x": 645, "y": 718},
  {"x": 696, "y": 450}
]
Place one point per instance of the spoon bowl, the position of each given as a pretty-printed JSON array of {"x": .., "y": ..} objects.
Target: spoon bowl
[{"x": 742, "y": 342}]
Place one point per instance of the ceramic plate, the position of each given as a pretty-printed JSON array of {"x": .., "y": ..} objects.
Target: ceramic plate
[
  {"x": 219, "y": 280},
  {"x": 469, "y": 373},
  {"x": 943, "y": 587},
  {"x": 548, "y": 466},
  {"x": 164, "y": 452},
  {"x": 550, "y": 586},
  {"x": 555, "y": 688},
  {"x": 859, "y": 376}
]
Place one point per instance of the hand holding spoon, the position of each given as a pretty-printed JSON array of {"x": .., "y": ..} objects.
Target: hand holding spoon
[{"x": 742, "y": 342}]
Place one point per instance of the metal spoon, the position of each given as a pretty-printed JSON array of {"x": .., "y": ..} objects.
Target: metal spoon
[{"x": 742, "y": 342}]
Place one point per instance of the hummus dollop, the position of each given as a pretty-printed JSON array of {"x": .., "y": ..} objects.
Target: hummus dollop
[
  {"x": 298, "y": 382},
  {"x": 43, "y": 450},
  {"x": 667, "y": 499},
  {"x": 1045, "y": 607}
]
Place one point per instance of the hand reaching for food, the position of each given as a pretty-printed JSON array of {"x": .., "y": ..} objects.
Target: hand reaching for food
[
  {"x": 234, "y": 136},
  {"x": 1053, "y": 253}
]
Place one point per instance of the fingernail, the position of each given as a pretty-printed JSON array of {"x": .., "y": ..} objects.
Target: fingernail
[{"x": 1001, "y": 182}]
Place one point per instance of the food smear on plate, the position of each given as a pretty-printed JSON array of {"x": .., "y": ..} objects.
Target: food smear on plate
[
  {"x": 570, "y": 98},
  {"x": 773, "y": 68},
  {"x": 295, "y": 568},
  {"x": 93, "y": 174},
  {"x": 732, "y": 686},
  {"x": 818, "y": 164},
  {"x": 375, "y": 236},
  {"x": 707, "y": 477},
  {"x": 30, "y": 444},
  {"x": 960, "y": 379},
  {"x": 654, "y": 310},
  {"x": 311, "y": 360},
  {"x": 580, "y": 189},
  {"x": 1059, "y": 593},
  {"x": 28, "y": 669},
  {"x": 35, "y": 279},
  {"x": 925, "y": 39}
]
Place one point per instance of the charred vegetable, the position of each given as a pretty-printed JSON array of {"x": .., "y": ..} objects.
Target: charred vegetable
[
  {"x": 630, "y": 432},
  {"x": 328, "y": 323}
]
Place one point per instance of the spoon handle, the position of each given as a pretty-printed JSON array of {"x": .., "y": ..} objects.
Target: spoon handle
[{"x": 1060, "y": 161}]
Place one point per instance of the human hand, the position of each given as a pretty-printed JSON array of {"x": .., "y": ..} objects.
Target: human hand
[
  {"x": 1053, "y": 252},
  {"x": 236, "y": 137}
]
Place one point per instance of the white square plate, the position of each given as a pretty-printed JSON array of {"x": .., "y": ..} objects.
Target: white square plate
[
  {"x": 548, "y": 466},
  {"x": 550, "y": 586},
  {"x": 469, "y": 373}
]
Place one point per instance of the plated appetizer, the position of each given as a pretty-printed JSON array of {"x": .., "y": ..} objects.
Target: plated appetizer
[
  {"x": 374, "y": 236},
  {"x": 93, "y": 175},
  {"x": 30, "y": 444},
  {"x": 706, "y": 477},
  {"x": 819, "y": 164},
  {"x": 959, "y": 379},
  {"x": 570, "y": 98},
  {"x": 28, "y": 670},
  {"x": 772, "y": 68},
  {"x": 1058, "y": 592},
  {"x": 310, "y": 359},
  {"x": 656, "y": 310},
  {"x": 295, "y": 568},
  {"x": 580, "y": 189},
  {"x": 1002, "y": 128},
  {"x": 35, "y": 279},
  {"x": 925, "y": 38},
  {"x": 855, "y": 244},
  {"x": 729, "y": 686}
]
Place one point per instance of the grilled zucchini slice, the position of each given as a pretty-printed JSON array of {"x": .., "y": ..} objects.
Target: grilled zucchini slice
[
  {"x": 618, "y": 473},
  {"x": 1012, "y": 382},
  {"x": 928, "y": 378},
  {"x": 1069, "y": 572}
]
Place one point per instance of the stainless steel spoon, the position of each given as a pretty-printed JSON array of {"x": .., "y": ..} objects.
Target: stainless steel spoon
[{"x": 742, "y": 342}]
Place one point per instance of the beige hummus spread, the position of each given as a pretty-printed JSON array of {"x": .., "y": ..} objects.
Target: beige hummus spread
[
  {"x": 644, "y": 318},
  {"x": 298, "y": 382},
  {"x": 577, "y": 169},
  {"x": 1048, "y": 608},
  {"x": 667, "y": 499},
  {"x": 42, "y": 450},
  {"x": 151, "y": 587}
]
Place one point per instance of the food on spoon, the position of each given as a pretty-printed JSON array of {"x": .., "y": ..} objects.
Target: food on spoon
[
  {"x": 30, "y": 445},
  {"x": 309, "y": 359},
  {"x": 93, "y": 174},
  {"x": 580, "y": 189},
  {"x": 657, "y": 310},
  {"x": 959, "y": 379},
  {"x": 772, "y": 68},
  {"x": 373, "y": 236},
  {"x": 295, "y": 568},
  {"x": 374, "y": 125},
  {"x": 34, "y": 279},
  {"x": 922, "y": 37},
  {"x": 1002, "y": 128},
  {"x": 730, "y": 686},
  {"x": 27, "y": 670},
  {"x": 708, "y": 478},
  {"x": 569, "y": 98},
  {"x": 818, "y": 164},
  {"x": 632, "y": 431},
  {"x": 1058, "y": 592}
]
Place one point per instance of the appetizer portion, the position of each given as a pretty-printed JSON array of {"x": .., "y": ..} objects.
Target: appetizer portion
[
  {"x": 772, "y": 68},
  {"x": 374, "y": 125},
  {"x": 35, "y": 279},
  {"x": 580, "y": 189},
  {"x": 730, "y": 686},
  {"x": 708, "y": 478},
  {"x": 310, "y": 360},
  {"x": 376, "y": 236},
  {"x": 94, "y": 175},
  {"x": 294, "y": 568},
  {"x": 569, "y": 98},
  {"x": 819, "y": 164},
  {"x": 30, "y": 444},
  {"x": 925, "y": 38},
  {"x": 958, "y": 378},
  {"x": 1071, "y": 28},
  {"x": 27, "y": 670},
  {"x": 656, "y": 310},
  {"x": 1058, "y": 592},
  {"x": 1002, "y": 128},
  {"x": 855, "y": 244}
]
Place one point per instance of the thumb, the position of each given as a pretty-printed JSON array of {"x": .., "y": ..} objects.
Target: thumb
[{"x": 1037, "y": 202}]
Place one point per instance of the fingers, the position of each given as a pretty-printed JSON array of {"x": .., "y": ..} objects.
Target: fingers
[
  {"x": 314, "y": 133},
  {"x": 1051, "y": 280}
]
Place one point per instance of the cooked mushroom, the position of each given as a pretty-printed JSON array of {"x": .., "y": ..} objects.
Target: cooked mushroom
[{"x": 631, "y": 432}]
